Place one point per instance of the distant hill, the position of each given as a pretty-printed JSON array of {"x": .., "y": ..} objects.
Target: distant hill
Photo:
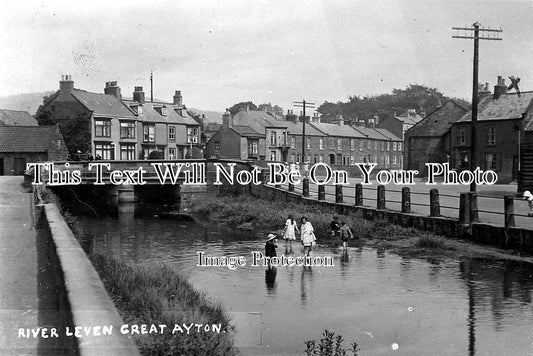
[
  {"x": 212, "y": 116},
  {"x": 26, "y": 102}
]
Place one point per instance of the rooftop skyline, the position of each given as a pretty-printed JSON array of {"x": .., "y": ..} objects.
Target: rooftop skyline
[{"x": 221, "y": 53}]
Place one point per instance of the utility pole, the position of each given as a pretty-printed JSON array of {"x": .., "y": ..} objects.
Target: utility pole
[
  {"x": 303, "y": 104},
  {"x": 151, "y": 86},
  {"x": 473, "y": 33}
]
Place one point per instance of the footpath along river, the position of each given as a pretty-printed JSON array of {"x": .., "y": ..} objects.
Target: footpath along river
[{"x": 387, "y": 303}]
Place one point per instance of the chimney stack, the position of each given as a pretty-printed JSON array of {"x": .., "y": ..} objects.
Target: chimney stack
[
  {"x": 227, "y": 120},
  {"x": 340, "y": 120},
  {"x": 138, "y": 95},
  {"x": 66, "y": 84},
  {"x": 500, "y": 88},
  {"x": 178, "y": 99},
  {"x": 111, "y": 88}
]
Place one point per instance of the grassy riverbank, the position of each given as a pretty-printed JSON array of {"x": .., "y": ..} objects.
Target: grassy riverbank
[
  {"x": 244, "y": 212},
  {"x": 157, "y": 294}
]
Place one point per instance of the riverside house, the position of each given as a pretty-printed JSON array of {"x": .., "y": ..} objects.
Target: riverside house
[{"x": 112, "y": 128}]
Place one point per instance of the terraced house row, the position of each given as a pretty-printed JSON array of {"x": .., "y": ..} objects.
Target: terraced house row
[
  {"x": 107, "y": 126},
  {"x": 257, "y": 135}
]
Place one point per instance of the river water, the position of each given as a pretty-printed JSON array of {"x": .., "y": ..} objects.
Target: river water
[{"x": 390, "y": 305}]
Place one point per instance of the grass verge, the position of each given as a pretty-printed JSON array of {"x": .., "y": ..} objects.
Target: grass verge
[{"x": 157, "y": 294}]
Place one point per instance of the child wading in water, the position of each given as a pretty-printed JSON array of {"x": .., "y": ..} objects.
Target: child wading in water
[
  {"x": 289, "y": 232},
  {"x": 346, "y": 234}
]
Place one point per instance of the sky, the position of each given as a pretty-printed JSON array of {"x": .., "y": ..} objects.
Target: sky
[{"x": 219, "y": 53}]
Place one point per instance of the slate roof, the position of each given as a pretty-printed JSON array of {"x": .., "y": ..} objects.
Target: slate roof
[
  {"x": 297, "y": 128},
  {"x": 337, "y": 130},
  {"x": 260, "y": 117},
  {"x": 16, "y": 117},
  {"x": 507, "y": 107},
  {"x": 387, "y": 134},
  {"x": 149, "y": 113},
  {"x": 439, "y": 121},
  {"x": 246, "y": 131},
  {"x": 27, "y": 138},
  {"x": 103, "y": 105},
  {"x": 409, "y": 118}
]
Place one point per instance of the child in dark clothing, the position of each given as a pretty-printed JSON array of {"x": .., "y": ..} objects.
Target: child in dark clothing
[
  {"x": 335, "y": 227},
  {"x": 270, "y": 246},
  {"x": 346, "y": 234}
]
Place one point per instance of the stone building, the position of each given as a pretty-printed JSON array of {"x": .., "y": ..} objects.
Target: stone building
[
  {"x": 429, "y": 140},
  {"x": 20, "y": 145},
  {"x": 107, "y": 126}
]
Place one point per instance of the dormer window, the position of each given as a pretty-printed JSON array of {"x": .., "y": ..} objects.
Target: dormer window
[{"x": 164, "y": 110}]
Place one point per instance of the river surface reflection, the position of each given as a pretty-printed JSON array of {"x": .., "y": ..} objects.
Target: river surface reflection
[{"x": 457, "y": 307}]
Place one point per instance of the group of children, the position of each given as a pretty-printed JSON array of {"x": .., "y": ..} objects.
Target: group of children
[{"x": 306, "y": 231}]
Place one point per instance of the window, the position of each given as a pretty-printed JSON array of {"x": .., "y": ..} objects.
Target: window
[
  {"x": 383, "y": 145},
  {"x": 394, "y": 160},
  {"x": 192, "y": 134},
  {"x": 171, "y": 153},
  {"x": 308, "y": 142},
  {"x": 253, "y": 147},
  {"x": 361, "y": 143},
  {"x": 368, "y": 144},
  {"x": 321, "y": 143},
  {"x": 272, "y": 139},
  {"x": 460, "y": 139},
  {"x": 321, "y": 158},
  {"x": 376, "y": 145},
  {"x": 164, "y": 111},
  {"x": 387, "y": 160},
  {"x": 339, "y": 144},
  {"x": 272, "y": 155},
  {"x": 217, "y": 149},
  {"x": 127, "y": 130},
  {"x": 149, "y": 133},
  {"x": 330, "y": 143},
  {"x": 172, "y": 133},
  {"x": 293, "y": 142},
  {"x": 352, "y": 144},
  {"x": 104, "y": 150},
  {"x": 352, "y": 159},
  {"x": 127, "y": 152},
  {"x": 491, "y": 135},
  {"x": 316, "y": 159},
  {"x": 102, "y": 128},
  {"x": 401, "y": 162},
  {"x": 490, "y": 161},
  {"x": 298, "y": 159},
  {"x": 394, "y": 146},
  {"x": 399, "y": 146},
  {"x": 58, "y": 144},
  {"x": 388, "y": 146},
  {"x": 284, "y": 139}
]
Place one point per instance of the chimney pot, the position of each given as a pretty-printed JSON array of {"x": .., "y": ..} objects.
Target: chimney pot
[
  {"x": 66, "y": 84},
  {"x": 138, "y": 95},
  {"x": 178, "y": 99},
  {"x": 111, "y": 88}
]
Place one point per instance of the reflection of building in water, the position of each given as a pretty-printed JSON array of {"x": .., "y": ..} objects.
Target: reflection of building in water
[{"x": 501, "y": 288}]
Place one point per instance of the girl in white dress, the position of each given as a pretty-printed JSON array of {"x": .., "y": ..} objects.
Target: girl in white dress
[
  {"x": 289, "y": 232},
  {"x": 307, "y": 236}
]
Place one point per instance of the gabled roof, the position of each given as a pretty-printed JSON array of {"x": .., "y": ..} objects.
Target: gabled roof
[
  {"x": 409, "y": 118},
  {"x": 103, "y": 105},
  {"x": 151, "y": 112},
  {"x": 256, "y": 117},
  {"x": 337, "y": 130},
  {"x": 439, "y": 121},
  {"x": 375, "y": 134},
  {"x": 27, "y": 138},
  {"x": 246, "y": 131},
  {"x": 16, "y": 117},
  {"x": 507, "y": 107},
  {"x": 387, "y": 134},
  {"x": 297, "y": 128}
]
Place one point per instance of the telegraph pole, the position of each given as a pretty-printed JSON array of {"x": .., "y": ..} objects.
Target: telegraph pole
[
  {"x": 151, "y": 86},
  {"x": 474, "y": 33},
  {"x": 303, "y": 104}
]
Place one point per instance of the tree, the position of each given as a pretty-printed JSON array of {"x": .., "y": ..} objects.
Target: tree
[
  {"x": 274, "y": 110},
  {"x": 44, "y": 113},
  {"x": 243, "y": 105}
]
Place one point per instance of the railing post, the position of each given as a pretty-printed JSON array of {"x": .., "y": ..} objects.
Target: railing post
[
  {"x": 474, "y": 215},
  {"x": 464, "y": 208},
  {"x": 381, "y": 198},
  {"x": 406, "y": 200},
  {"x": 434, "y": 204},
  {"x": 338, "y": 193},
  {"x": 358, "y": 194},
  {"x": 291, "y": 187},
  {"x": 321, "y": 192},
  {"x": 508, "y": 203},
  {"x": 305, "y": 187}
]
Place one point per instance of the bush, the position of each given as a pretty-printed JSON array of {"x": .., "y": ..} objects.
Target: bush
[
  {"x": 430, "y": 241},
  {"x": 329, "y": 346}
]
